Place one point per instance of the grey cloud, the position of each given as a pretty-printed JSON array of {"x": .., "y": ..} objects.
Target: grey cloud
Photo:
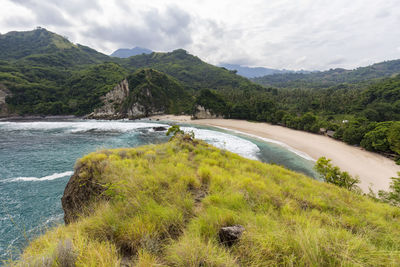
[
  {"x": 46, "y": 13},
  {"x": 158, "y": 30},
  {"x": 19, "y": 21},
  {"x": 337, "y": 61},
  {"x": 275, "y": 33},
  {"x": 72, "y": 7},
  {"x": 58, "y": 12},
  {"x": 382, "y": 14}
]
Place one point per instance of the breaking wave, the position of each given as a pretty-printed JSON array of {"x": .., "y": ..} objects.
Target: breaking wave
[
  {"x": 36, "y": 179},
  {"x": 79, "y": 126}
]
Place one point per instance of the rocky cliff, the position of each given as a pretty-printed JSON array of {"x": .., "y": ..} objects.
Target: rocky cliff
[
  {"x": 4, "y": 92},
  {"x": 203, "y": 113},
  {"x": 144, "y": 93}
]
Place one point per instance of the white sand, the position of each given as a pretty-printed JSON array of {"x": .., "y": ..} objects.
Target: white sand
[{"x": 373, "y": 169}]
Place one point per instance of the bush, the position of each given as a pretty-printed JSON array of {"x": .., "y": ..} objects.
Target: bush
[
  {"x": 393, "y": 196},
  {"x": 333, "y": 175}
]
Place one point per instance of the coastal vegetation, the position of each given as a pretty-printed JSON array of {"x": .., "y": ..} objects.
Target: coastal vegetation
[
  {"x": 54, "y": 77},
  {"x": 333, "y": 175},
  {"x": 165, "y": 205}
]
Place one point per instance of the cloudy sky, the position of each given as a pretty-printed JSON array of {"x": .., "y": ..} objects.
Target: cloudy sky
[{"x": 291, "y": 34}]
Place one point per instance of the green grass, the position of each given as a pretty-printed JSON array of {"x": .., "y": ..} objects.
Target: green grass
[{"x": 165, "y": 204}]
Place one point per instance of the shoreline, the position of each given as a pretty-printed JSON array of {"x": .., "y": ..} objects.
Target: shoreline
[{"x": 373, "y": 170}]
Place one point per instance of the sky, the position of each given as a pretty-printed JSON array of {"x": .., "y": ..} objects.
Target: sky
[{"x": 281, "y": 34}]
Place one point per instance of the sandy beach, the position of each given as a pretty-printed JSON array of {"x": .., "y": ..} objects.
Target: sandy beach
[{"x": 373, "y": 169}]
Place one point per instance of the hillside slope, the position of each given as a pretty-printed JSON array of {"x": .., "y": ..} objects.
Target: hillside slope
[
  {"x": 166, "y": 205},
  {"x": 191, "y": 71}
]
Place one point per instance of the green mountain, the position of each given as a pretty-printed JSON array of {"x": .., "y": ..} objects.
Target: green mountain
[
  {"x": 331, "y": 77},
  {"x": 44, "y": 73},
  {"x": 41, "y": 47},
  {"x": 187, "y": 203},
  {"x": 191, "y": 71}
]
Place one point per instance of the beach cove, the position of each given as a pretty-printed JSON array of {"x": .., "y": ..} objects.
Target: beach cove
[{"x": 373, "y": 170}]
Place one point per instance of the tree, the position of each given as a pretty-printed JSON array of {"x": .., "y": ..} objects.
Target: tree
[
  {"x": 377, "y": 139},
  {"x": 333, "y": 175},
  {"x": 174, "y": 130},
  {"x": 394, "y": 137}
]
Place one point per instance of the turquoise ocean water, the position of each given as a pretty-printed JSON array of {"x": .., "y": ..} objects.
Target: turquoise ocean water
[{"x": 37, "y": 159}]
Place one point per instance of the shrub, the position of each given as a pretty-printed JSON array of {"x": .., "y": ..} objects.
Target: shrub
[
  {"x": 333, "y": 175},
  {"x": 392, "y": 196}
]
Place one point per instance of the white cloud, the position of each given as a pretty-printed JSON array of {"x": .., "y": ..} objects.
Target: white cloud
[{"x": 302, "y": 34}]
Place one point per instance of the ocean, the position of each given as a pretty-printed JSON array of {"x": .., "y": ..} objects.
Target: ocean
[{"x": 37, "y": 159}]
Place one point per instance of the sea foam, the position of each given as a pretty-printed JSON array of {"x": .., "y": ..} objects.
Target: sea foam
[
  {"x": 37, "y": 179},
  {"x": 282, "y": 144},
  {"x": 229, "y": 142},
  {"x": 79, "y": 126}
]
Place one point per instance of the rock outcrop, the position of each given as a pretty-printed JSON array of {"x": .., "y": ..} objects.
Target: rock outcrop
[
  {"x": 145, "y": 93},
  {"x": 112, "y": 102},
  {"x": 81, "y": 190},
  {"x": 203, "y": 113},
  {"x": 230, "y": 235},
  {"x": 4, "y": 92}
]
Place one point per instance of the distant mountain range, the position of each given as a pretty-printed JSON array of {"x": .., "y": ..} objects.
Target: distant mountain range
[
  {"x": 332, "y": 77},
  {"x": 126, "y": 52},
  {"x": 252, "y": 72}
]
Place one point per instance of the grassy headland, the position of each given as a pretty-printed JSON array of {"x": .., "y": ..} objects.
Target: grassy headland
[{"x": 163, "y": 205}]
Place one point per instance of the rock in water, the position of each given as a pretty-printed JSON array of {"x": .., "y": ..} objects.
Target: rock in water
[
  {"x": 230, "y": 234},
  {"x": 159, "y": 129}
]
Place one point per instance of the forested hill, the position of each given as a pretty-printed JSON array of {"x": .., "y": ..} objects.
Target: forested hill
[
  {"x": 43, "y": 73},
  {"x": 331, "y": 77},
  {"x": 191, "y": 71},
  {"x": 44, "y": 48}
]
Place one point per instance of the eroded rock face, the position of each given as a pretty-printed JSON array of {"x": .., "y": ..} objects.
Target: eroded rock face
[
  {"x": 229, "y": 235},
  {"x": 112, "y": 103},
  {"x": 81, "y": 190},
  {"x": 116, "y": 105},
  {"x": 4, "y": 92},
  {"x": 203, "y": 113}
]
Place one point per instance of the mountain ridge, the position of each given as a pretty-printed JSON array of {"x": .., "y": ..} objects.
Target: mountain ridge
[
  {"x": 126, "y": 52},
  {"x": 253, "y": 72},
  {"x": 331, "y": 77}
]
